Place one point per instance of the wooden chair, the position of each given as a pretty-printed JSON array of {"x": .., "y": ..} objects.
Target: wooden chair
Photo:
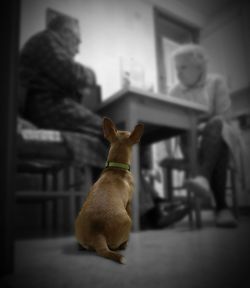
[
  {"x": 60, "y": 182},
  {"x": 231, "y": 190},
  {"x": 170, "y": 164},
  {"x": 62, "y": 187}
]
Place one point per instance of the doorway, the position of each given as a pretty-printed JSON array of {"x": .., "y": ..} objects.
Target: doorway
[{"x": 170, "y": 32}]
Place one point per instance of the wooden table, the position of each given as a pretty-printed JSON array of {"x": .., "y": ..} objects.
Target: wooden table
[{"x": 163, "y": 117}]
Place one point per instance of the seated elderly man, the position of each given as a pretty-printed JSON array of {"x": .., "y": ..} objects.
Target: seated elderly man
[{"x": 54, "y": 84}]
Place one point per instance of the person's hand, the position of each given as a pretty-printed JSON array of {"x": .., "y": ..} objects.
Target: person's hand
[
  {"x": 157, "y": 175},
  {"x": 84, "y": 92},
  {"x": 201, "y": 127},
  {"x": 204, "y": 117},
  {"x": 152, "y": 175}
]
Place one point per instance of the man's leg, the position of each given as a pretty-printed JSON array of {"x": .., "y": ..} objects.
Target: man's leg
[
  {"x": 208, "y": 155},
  {"x": 211, "y": 148},
  {"x": 213, "y": 158},
  {"x": 219, "y": 178}
]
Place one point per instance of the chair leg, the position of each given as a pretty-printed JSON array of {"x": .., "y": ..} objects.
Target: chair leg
[
  {"x": 164, "y": 173},
  {"x": 169, "y": 184},
  {"x": 190, "y": 214},
  {"x": 47, "y": 207},
  {"x": 59, "y": 220},
  {"x": 197, "y": 204},
  {"x": 88, "y": 181},
  {"x": 72, "y": 201},
  {"x": 44, "y": 188},
  {"x": 194, "y": 202},
  {"x": 50, "y": 219},
  {"x": 234, "y": 194}
]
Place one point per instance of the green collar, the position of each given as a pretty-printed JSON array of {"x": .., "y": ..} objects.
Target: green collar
[{"x": 123, "y": 166}]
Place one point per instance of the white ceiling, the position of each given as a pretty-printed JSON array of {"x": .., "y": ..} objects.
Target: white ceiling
[{"x": 208, "y": 8}]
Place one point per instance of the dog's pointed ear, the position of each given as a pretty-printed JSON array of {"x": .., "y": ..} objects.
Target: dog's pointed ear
[
  {"x": 136, "y": 134},
  {"x": 109, "y": 129}
]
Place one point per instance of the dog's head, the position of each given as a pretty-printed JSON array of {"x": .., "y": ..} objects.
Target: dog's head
[{"x": 121, "y": 141}]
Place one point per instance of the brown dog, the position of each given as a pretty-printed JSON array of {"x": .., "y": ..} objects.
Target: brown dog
[{"x": 104, "y": 221}]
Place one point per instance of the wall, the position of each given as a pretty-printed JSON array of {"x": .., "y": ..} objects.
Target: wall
[
  {"x": 111, "y": 30},
  {"x": 225, "y": 41}
]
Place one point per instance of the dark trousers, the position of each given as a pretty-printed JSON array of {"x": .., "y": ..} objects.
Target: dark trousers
[{"x": 213, "y": 160}]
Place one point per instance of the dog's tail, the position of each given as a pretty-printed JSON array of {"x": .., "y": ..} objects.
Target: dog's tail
[{"x": 103, "y": 250}]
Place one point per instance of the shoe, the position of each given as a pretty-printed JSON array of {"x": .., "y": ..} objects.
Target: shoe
[
  {"x": 225, "y": 219},
  {"x": 166, "y": 205},
  {"x": 172, "y": 214},
  {"x": 200, "y": 186}
]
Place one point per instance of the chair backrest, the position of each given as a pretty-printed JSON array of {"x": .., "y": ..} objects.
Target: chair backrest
[
  {"x": 21, "y": 99},
  {"x": 92, "y": 97}
]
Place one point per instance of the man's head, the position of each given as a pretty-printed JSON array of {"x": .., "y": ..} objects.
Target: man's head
[
  {"x": 191, "y": 64},
  {"x": 69, "y": 31}
]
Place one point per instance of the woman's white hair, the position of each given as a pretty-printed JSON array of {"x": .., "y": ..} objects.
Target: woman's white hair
[{"x": 196, "y": 53}]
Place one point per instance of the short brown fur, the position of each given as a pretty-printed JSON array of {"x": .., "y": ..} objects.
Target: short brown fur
[{"x": 104, "y": 221}]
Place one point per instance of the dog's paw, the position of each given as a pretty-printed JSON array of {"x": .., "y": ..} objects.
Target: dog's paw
[
  {"x": 79, "y": 246},
  {"x": 123, "y": 260},
  {"x": 85, "y": 247}
]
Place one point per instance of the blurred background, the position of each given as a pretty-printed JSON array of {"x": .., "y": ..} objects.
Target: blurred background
[{"x": 121, "y": 41}]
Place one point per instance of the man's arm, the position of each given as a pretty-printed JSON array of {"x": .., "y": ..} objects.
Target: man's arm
[{"x": 47, "y": 56}]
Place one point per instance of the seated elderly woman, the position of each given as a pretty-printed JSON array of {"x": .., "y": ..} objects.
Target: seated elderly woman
[{"x": 211, "y": 90}]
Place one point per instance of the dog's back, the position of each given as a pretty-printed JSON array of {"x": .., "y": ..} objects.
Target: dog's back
[{"x": 104, "y": 221}]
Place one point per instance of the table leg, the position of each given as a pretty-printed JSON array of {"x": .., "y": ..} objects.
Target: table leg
[
  {"x": 135, "y": 169},
  {"x": 72, "y": 200},
  {"x": 136, "y": 198},
  {"x": 193, "y": 148}
]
